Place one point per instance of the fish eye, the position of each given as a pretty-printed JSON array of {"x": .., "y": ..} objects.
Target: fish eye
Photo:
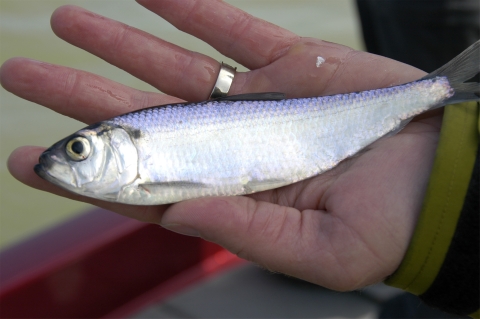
[{"x": 78, "y": 148}]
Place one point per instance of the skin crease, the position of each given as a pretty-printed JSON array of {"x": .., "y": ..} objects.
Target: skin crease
[{"x": 345, "y": 229}]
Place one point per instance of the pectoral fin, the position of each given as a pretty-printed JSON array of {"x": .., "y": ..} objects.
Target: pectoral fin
[{"x": 154, "y": 188}]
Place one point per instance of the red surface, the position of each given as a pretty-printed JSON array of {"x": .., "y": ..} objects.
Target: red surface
[
  {"x": 101, "y": 265},
  {"x": 211, "y": 266}
]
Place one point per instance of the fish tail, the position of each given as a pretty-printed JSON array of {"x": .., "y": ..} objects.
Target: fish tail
[{"x": 458, "y": 71}]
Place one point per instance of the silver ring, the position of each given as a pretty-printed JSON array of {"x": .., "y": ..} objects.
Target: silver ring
[{"x": 224, "y": 81}]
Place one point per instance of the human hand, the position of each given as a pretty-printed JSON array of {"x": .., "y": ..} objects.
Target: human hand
[{"x": 344, "y": 229}]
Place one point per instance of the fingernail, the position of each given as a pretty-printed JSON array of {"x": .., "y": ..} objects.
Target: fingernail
[{"x": 182, "y": 229}]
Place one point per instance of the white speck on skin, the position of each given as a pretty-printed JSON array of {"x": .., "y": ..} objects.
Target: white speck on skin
[{"x": 320, "y": 60}]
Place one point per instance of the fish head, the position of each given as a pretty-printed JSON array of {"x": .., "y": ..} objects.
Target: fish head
[{"x": 97, "y": 161}]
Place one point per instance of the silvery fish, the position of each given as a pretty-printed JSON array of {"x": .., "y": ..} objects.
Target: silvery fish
[{"x": 241, "y": 144}]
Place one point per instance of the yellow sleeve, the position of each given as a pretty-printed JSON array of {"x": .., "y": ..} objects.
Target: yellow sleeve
[{"x": 423, "y": 267}]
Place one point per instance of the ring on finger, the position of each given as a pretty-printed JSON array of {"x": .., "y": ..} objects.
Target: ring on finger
[{"x": 224, "y": 81}]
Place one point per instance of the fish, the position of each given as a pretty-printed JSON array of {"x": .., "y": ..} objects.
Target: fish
[{"x": 242, "y": 144}]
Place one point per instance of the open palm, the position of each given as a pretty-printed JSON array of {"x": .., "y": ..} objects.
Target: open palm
[{"x": 344, "y": 229}]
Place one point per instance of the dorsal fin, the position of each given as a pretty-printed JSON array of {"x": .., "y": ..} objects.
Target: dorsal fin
[{"x": 264, "y": 96}]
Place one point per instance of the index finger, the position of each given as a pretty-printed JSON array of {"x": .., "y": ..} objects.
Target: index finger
[{"x": 250, "y": 41}]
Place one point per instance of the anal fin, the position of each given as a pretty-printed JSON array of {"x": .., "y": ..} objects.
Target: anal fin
[{"x": 258, "y": 186}]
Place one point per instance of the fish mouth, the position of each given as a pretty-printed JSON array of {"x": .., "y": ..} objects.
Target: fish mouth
[
  {"x": 53, "y": 168},
  {"x": 38, "y": 169},
  {"x": 43, "y": 162}
]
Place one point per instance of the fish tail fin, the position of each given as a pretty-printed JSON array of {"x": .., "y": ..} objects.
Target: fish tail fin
[{"x": 458, "y": 71}]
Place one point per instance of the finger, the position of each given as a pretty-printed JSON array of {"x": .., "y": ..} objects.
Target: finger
[
  {"x": 21, "y": 163},
  {"x": 248, "y": 40},
  {"x": 299, "y": 74},
  {"x": 171, "y": 69},
  {"x": 279, "y": 59},
  {"x": 282, "y": 239},
  {"x": 78, "y": 94}
]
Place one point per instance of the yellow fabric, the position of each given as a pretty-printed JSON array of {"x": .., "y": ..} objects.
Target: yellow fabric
[
  {"x": 443, "y": 201},
  {"x": 476, "y": 314}
]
